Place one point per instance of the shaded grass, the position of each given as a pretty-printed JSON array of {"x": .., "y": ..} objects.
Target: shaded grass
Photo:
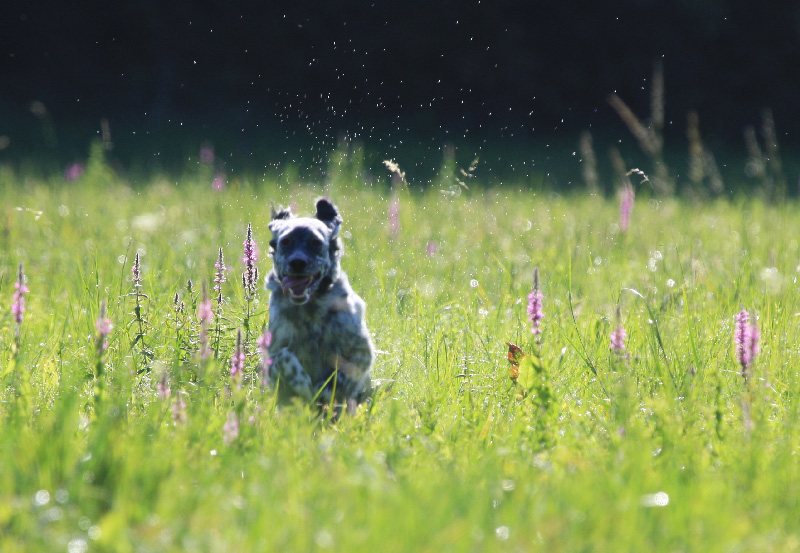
[{"x": 450, "y": 458}]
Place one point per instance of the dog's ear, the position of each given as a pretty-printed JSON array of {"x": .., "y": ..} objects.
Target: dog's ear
[
  {"x": 328, "y": 214},
  {"x": 283, "y": 213},
  {"x": 277, "y": 217}
]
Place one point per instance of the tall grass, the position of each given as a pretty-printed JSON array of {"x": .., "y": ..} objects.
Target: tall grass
[{"x": 666, "y": 448}]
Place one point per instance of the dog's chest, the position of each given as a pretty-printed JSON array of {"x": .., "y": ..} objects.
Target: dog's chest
[{"x": 317, "y": 337}]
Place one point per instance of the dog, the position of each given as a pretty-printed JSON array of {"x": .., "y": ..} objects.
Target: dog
[{"x": 321, "y": 349}]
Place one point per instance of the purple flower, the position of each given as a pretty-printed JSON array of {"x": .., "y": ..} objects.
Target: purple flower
[
  {"x": 178, "y": 410},
  {"x": 535, "y": 297},
  {"x": 204, "y": 311},
  {"x": 230, "y": 431},
  {"x": 250, "y": 275},
  {"x": 753, "y": 342},
  {"x": 103, "y": 326},
  {"x": 162, "y": 386},
  {"x": 20, "y": 289},
  {"x": 618, "y": 336},
  {"x": 746, "y": 337},
  {"x": 263, "y": 343},
  {"x": 237, "y": 361},
  {"x": 618, "y": 340},
  {"x": 431, "y": 248},
  {"x": 218, "y": 183},
  {"x": 627, "y": 196},
  {"x": 394, "y": 216},
  {"x": 73, "y": 172}
]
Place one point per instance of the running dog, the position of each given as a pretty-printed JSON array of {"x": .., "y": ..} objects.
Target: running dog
[{"x": 321, "y": 349}]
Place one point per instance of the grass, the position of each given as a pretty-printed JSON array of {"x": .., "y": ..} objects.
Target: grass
[{"x": 451, "y": 456}]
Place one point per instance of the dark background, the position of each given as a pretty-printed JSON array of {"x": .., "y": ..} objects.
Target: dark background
[{"x": 274, "y": 83}]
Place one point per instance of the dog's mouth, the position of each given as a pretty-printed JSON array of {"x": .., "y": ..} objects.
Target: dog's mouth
[{"x": 300, "y": 287}]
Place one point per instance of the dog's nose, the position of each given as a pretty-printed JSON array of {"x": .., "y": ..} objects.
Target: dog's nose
[{"x": 298, "y": 264}]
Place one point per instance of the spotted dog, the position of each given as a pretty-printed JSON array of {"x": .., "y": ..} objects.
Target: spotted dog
[{"x": 321, "y": 349}]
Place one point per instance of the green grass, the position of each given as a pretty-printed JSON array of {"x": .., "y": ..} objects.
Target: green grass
[{"x": 451, "y": 456}]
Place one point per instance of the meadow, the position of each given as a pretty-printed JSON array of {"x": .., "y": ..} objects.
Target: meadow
[{"x": 119, "y": 435}]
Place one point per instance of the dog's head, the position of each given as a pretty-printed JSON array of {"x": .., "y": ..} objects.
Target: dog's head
[{"x": 305, "y": 250}]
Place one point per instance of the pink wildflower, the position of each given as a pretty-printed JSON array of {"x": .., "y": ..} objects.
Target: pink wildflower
[
  {"x": 746, "y": 337},
  {"x": 20, "y": 289},
  {"x": 618, "y": 336},
  {"x": 162, "y": 386},
  {"x": 618, "y": 340},
  {"x": 535, "y": 297},
  {"x": 204, "y": 310},
  {"x": 218, "y": 183},
  {"x": 431, "y": 248},
  {"x": 263, "y": 343},
  {"x": 394, "y": 216},
  {"x": 178, "y": 409},
  {"x": 73, "y": 172},
  {"x": 230, "y": 431},
  {"x": 627, "y": 196},
  {"x": 103, "y": 326},
  {"x": 237, "y": 361}
]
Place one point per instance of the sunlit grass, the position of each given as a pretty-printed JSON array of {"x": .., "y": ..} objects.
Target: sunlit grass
[{"x": 450, "y": 455}]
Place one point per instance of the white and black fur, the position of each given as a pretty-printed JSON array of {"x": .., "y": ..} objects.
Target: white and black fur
[{"x": 321, "y": 349}]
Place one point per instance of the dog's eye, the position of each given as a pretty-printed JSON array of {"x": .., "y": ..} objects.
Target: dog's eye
[
  {"x": 315, "y": 242},
  {"x": 285, "y": 242}
]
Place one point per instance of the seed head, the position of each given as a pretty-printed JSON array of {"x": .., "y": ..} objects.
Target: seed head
[
  {"x": 250, "y": 275},
  {"x": 137, "y": 271}
]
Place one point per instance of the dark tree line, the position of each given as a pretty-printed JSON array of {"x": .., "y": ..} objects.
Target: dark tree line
[{"x": 470, "y": 68}]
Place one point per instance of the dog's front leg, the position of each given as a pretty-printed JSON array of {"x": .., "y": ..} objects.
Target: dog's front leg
[{"x": 287, "y": 370}]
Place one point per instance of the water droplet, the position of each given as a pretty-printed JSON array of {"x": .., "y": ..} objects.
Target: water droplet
[
  {"x": 658, "y": 499},
  {"x": 42, "y": 497},
  {"x": 77, "y": 545}
]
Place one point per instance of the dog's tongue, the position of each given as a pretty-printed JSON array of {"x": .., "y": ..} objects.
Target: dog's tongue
[{"x": 295, "y": 285}]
